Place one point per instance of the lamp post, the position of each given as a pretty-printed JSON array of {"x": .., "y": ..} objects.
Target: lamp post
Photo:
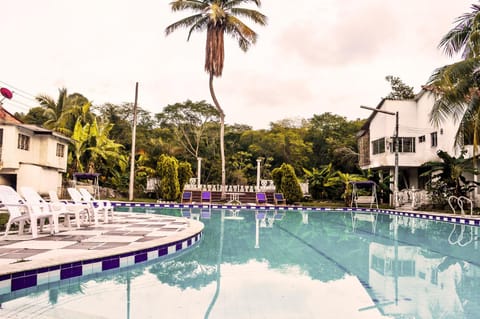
[
  {"x": 259, "y": 163},
  {"x": 199, "y": 172},
  {"x": 395, "y": 143}
]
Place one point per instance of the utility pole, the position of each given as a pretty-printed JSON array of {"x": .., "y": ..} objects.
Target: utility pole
[
  {"x": 132, "y": 157},
  {"x": 395, "y": 148}
]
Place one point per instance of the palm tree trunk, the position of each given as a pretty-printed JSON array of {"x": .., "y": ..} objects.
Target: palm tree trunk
[{"x": 222, "y": 132}]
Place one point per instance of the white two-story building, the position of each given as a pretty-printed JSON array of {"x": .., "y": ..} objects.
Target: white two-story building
[
  {"x": 419, "y": 139},
  {"x": 31, "y": 155}
]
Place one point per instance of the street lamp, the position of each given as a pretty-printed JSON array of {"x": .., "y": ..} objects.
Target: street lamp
[{"x": 395, "y": 143}]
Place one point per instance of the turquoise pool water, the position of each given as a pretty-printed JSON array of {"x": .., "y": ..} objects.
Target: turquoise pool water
[{"x": 295, "y": 264}]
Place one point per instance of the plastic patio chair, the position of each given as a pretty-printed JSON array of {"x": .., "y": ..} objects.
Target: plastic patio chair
[
  {"x": 106, "y": 205},
  {"x": 78, "y": 199},
  {"x": 22, "y": 211},
  {"x": 60, "y": 209},
  {"x": 206, "y": 197},
  {"x": 279, "y": 199},
  {"x": 261, "y": 198},
  {"x": 68, "y": 208},
  {"x": 186, "y": 197}
]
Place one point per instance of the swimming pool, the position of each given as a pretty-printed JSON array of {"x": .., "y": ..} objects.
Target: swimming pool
[{"x": 286, "y": 264}]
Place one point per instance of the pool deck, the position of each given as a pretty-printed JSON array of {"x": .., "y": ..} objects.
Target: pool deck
[{"x": 127, "y": 233}]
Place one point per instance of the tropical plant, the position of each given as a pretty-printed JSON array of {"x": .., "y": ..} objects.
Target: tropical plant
[
  {"x": 344, "y": 179},
  {"x": 218, "y": 17},
  {"x": 63, "y": 114},
  {"x": 457, "y": 85},
  {"x": 319, "y": 181},
  {"x": 447, "y": 177}
]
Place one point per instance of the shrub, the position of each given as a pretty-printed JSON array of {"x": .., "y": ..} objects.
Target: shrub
[{"x": 169, "y": 188}]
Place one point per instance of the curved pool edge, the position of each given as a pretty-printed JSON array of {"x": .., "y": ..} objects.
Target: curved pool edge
[{"x": 21, "y": 276}]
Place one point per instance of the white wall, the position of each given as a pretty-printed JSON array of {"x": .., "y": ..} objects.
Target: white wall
[{"x": 414, "y": 121}]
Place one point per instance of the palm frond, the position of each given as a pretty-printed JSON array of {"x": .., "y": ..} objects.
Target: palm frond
[
  {"x": 253, "y": 15},
  {"x": 456, "y": 40},
  {"x": 187, "y": 22},
  {"x": 194, "y": 5}
]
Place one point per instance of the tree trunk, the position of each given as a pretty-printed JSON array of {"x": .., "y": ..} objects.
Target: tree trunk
[{"x": 222, "y": 133}]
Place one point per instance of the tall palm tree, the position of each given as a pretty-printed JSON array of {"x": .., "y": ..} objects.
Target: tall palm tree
[{"x": 218, "y": 17}]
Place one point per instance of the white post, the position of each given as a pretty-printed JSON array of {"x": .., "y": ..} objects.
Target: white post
[
  {"x": 199, "y": 171},
  {"x": 259, "y": 163},
  {"x": 132, "y": 156}
]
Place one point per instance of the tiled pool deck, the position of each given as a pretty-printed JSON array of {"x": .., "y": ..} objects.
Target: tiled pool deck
[{"x": 130, "y": 239}]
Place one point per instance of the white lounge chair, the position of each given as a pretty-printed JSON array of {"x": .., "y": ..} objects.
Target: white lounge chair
[
  {"x": 22, "y": 211},
  {"x": 79, "y": 210},
  {"x": 94, "y": 208},
  {"x": 103, "y": 203},
  {"x": 59, "y": 208}
]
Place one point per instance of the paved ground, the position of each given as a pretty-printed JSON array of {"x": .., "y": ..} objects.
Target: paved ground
[{"x": 128, "y": 232}]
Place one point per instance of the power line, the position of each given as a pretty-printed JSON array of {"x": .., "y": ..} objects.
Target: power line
[{"x": 31, "y": 96}]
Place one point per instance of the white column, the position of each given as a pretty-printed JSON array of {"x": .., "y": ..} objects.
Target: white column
[
  {"x": 199, "y": 171},
  {"x": 259, "y": 162}
]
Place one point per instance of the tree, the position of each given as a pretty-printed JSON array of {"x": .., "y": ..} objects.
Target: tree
[
  {"x": 184, "y": 174},
  {"x": 457, "y": 85},
  {"x": 63, "y": 114},
  {"x": 217, "y": 18},
  {"x": 286, "y": 182},
  {"x": 447, "y": 175},
  {"x": 35, "y": 115},
  {"x": 400, "y": 91},
  {"x": 169, "y": 186},
  {"x": 189, "y": 122}
]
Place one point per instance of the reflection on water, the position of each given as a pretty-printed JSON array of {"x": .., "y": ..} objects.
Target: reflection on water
[{"x": 266, "y": 263}]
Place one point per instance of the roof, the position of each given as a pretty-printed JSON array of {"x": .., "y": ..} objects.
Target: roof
[
  {"x": 6, "y": 116},
  {"x": 365, "y": 127},
  {"x": 37, "y": 130}
]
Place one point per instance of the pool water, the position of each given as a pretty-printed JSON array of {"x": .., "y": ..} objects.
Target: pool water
[{"x": 294, "y": 264}]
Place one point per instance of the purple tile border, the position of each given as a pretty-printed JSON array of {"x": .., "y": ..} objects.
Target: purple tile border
[
  {"x": 48, "y": 275},
  {"x": 458, "y": 219}
]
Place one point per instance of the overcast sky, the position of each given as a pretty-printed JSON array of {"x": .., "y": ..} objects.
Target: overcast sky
[{"x": 312, "y": 57}]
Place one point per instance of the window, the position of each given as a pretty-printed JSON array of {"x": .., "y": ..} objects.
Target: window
[
  {"x": 378, "y": 146},
  {"x": 23, "y": 142},
  {"x": 434, "y": 139},
  {"x": 421, "y": 139},
  {"x": 405, "y": 145},
  {"x": 60, "y": 150}
]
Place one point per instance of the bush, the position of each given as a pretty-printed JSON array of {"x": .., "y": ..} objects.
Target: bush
[
  {"x": 169, "y": 188},
  {"x": 286, "y": 182},
  {"x": 184, "y": 174}
]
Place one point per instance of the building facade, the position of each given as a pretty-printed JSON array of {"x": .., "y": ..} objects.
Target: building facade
[
  {"x": 419, "y": 139},
  {"x": 31, "y": 155}
]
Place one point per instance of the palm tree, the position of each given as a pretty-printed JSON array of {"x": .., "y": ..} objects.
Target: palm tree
[
  {"x": 63, "y": 113},
  {"x": 218, "y": 17},
  {"x": 457, "y": 85}
]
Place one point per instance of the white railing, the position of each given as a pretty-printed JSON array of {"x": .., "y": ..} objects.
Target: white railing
[
  {"x": 266, "y": 185},
  {"x": 459, "y": 201}
]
